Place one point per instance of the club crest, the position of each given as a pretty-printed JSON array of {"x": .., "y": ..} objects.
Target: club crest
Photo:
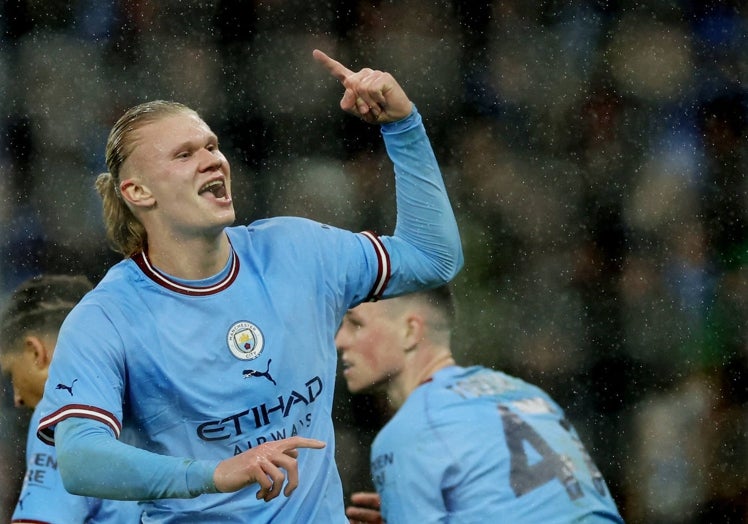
[{"x": 245, "y": 340}]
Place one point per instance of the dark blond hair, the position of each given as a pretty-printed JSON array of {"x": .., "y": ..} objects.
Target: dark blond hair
[{"x": 124, "y": 231}]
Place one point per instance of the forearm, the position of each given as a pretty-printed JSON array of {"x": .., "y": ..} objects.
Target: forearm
[
  {"x": 92, "y": 462},
  {"x": 426, "y": 231}
]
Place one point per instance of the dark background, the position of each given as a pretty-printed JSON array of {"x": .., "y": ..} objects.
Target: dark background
[{"x": 595, "y": 153}]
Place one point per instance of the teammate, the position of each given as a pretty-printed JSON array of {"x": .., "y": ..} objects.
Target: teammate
[
  {"x": 216, "y": 342},
  {"x": 28, "y": 330},
  {"x": 466, "y": 444}
]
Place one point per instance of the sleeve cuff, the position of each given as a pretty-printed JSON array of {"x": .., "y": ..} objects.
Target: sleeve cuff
[
  {"x": 405, "y": 124},
  {"x": 199, "y": 477}
]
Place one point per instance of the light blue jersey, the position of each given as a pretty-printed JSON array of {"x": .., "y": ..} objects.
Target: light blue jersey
[
  {"x": 43, "y": 498},
  {"x": 217, "y": 368},
  {"x": 206, "y": 370},
  {"x": 474, "y": 445}
]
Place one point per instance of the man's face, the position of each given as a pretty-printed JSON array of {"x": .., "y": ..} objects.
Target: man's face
[
  {"x": 27, "y": 378},
  {"x": 371, "y": 345},
  {"x": 185, "y": 179}
]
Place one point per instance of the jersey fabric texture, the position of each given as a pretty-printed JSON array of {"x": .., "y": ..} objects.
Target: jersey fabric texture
[
  {"x": 205, "y": 370},
  {"x": 44, "y": 500},
  {"x": 473, "y": 445}
]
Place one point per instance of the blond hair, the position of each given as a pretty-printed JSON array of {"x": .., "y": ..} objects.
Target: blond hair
[{"x": 124, "y": 231}]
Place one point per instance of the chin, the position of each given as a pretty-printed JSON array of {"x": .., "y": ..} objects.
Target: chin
[
  {"x": 227, "y": 219},
  {"x": 355, "y": 388}
]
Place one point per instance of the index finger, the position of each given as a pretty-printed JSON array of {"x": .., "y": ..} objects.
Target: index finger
[
  {"x": 301, "y": 442},
  {"x": 335, "y": 68}
]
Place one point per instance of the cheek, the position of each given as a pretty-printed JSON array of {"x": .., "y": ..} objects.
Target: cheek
[
  {"x": 20, "y": 379},
  {"x": 379, "y": 356},
  {"x": 26, "y": 377}
]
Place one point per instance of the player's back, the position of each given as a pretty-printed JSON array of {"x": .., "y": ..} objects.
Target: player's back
[{"x": 473, "y": 445}]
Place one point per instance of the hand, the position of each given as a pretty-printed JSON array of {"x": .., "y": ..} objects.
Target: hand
[
  {"x": 264, "y": 465},
  {"x": 373, "y": 96},
  {"x": 365, "y": 508}
]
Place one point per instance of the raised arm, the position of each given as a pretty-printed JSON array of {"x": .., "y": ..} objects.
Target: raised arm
[{"x": 425, "y": 249}]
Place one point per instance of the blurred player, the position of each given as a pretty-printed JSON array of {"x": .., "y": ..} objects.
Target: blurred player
[
  {"x": 28, "y": 332},
  {"x": 216, "y": 343},
  {"x": 466, "y": 444}
]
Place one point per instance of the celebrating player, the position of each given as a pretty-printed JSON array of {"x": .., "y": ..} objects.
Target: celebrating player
[
  {"x": 215, "y": 343},
  {"x": 28, "y": 331},
  {"x": 466, "y": 444}
]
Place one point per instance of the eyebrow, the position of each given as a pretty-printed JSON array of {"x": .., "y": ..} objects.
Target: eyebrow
[{"x": 202, "y": 139}]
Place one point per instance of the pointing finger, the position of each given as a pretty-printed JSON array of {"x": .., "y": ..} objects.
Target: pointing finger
[
  {"x": 335, "y": 68},
  {"x": 302, "y": 442}
]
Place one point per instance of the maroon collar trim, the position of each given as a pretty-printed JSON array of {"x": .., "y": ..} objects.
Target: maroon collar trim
[{"x": 144, "y": 263}]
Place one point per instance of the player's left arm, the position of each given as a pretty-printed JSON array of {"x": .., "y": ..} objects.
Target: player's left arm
[{"x": 425, "y": 250}]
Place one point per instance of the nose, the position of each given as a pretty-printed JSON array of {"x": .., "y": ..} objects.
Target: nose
[
  {"x": 337, "y": 344},
  {"x": 211, "y": 160},
  {"x": 340, "y": 340}
]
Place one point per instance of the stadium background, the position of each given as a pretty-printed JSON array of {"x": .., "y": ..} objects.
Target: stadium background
[{"x": 595, "y": 152}]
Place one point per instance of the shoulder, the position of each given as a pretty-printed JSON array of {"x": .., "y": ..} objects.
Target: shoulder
[
  {"x": 274, "y": 223},
  {"x": 120, "y": 281},
  {"x": 458, "y": 394},
  {"x": 117, "y": 295},
  {"x": 291, "y": 227},
  {"x": 480, "y": 381},
  {"x": 288, "y": 233}
]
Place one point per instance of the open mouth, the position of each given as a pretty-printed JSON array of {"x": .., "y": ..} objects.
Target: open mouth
[{"x": 216, "y": 187}]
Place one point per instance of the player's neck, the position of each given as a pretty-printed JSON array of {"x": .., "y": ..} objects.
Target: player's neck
[
  {"x": 422, "y": 371},
  {"x": 441, "y": 361},
  {"x": 191, "y": 259}
]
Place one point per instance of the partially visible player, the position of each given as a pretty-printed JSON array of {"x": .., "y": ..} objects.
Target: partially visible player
[
  {"x": 214, "y": 341},
  {"x": 29, "y": 325},
  {"x": 466, "y": 444}
]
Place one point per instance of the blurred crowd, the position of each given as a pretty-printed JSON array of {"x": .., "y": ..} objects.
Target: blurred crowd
[{"x": 595, "y": 151}]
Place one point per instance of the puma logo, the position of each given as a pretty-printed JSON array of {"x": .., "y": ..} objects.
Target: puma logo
[
  {"x": 248, "y": 373},
  {"x": 69, "y": 388}
]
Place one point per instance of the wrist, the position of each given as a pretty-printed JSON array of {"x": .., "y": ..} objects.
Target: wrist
[
  {"x": 199, "y": 477},
  {"x": 404, "y": 124}
]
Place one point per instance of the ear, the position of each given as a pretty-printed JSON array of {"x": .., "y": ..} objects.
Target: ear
[
  {"x": 414, "y": 331},
  {"x": 40, "y": 349},
  {"x": 136, "y": 193}
]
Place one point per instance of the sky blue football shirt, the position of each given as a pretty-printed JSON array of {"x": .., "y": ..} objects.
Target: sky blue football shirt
[{"x": 474, "y": 445}]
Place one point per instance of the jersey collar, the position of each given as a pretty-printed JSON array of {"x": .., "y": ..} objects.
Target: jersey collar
[{"x": 184, "y": 287}]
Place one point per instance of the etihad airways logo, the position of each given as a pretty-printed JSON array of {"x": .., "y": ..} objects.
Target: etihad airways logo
[{"x": 260, "y": 415}]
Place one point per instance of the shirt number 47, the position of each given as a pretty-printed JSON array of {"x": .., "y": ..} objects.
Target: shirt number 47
[{"x": 525, "y": 477}]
